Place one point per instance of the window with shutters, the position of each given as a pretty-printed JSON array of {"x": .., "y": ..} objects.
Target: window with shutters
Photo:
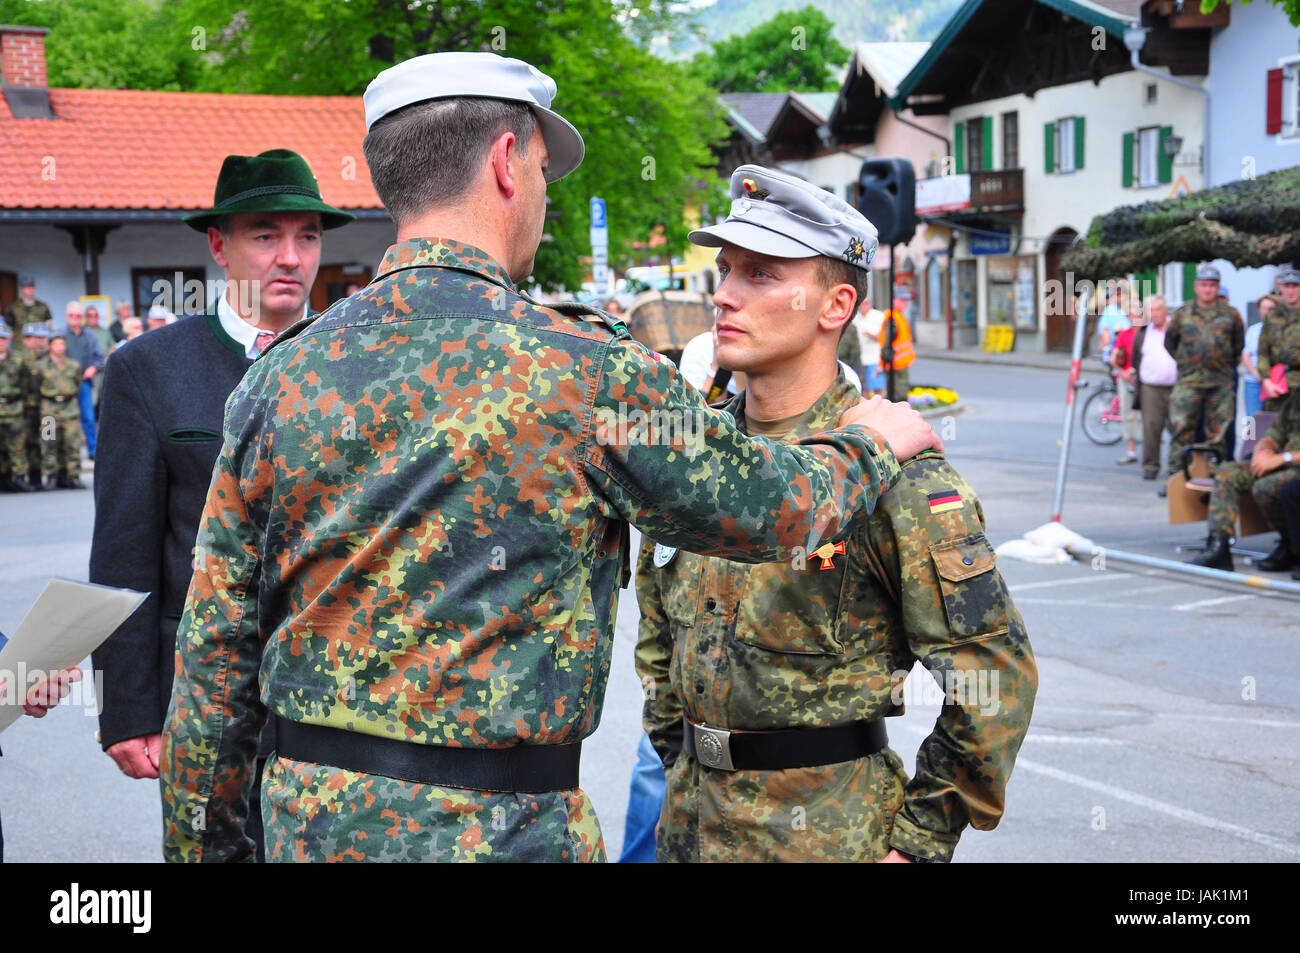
[
  {"x": 1291, "y": 87},
  {"x": 1282, "y": 102},
  {"x": 1065, "y": 145},
  {"x": 1011, "y": 140},
  {"x": 1148, "y": 164},
  {"x": 975, "y": 144}
]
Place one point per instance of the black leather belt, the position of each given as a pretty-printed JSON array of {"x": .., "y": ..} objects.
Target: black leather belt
[
  {"x": 776, "y": 750},
  {"x": 528, "y": 769}
]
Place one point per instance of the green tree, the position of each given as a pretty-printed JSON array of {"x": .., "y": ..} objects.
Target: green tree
[
  {"x": 1290, "y": 7},
  {"x": 110, "y": 44},
  {"x": 648, "y": 124},
  {"x": 792, "y": 51}
]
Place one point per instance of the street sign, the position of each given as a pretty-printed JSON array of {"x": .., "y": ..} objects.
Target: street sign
[
  {"x": 599, "y": 246},
  {"x": 985, "y": 244}
]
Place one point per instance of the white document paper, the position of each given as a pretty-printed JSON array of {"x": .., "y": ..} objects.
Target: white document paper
[{"x": 67, "y": 622}]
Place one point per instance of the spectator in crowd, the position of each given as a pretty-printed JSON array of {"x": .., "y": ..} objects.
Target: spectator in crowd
[
  {"x": 1272, "y": 467},
  {"x": 903, "y": 352},
  {"x": 1250, "y": 380},
  {"x": 103, "y": 335},
  {"x": 1206, "y": 338},
  {"x": 1121, "y": 358},
  {"x": 83, "y": 349},
  {"x": 867, "y": 323},
  {"x": 26, "y": 309},
  {"x": 132, "y": 328},
  {"x": 1279, "y": 344},
  {"x": 1156, "y": 373},
  {"x": 612, "y": 306},
  {"x": 159, "y": 317},
  {"x": 118, "y": 327},
  {"x": 59, "y": 381},
  {"x": 1114, "y": 318}
]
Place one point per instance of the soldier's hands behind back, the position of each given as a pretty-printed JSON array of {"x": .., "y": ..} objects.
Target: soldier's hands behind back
[
  {"x": 903, "y": 427},
  {"x": 137, "y": 757}
]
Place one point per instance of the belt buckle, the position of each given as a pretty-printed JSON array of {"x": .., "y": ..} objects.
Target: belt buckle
[{"x": 713, "y": 747}]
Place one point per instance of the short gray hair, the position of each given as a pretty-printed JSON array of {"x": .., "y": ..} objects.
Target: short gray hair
[
  {"x": 1152, "y": 299},
  {"x": 428, "y": 154}
]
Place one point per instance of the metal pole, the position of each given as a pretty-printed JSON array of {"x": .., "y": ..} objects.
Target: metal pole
[
  {"x": 1155, "y": 562},
  {"x": 887, "y": 352},
  {"x": 1071, "y": 412}
]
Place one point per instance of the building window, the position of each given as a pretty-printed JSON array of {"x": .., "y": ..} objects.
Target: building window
[
  {"x": 1291, "y": 129},
  {"x": 975, "y": 144},
  {"x": 933, "y": 291},
  {"x": 1149, "y": 156},
  {"x": 1011, "y": 140},
  {"x": 1065, "y": 145},
  {"x": 181, "y": 290},
  {"x": 1152, "y": 91}
]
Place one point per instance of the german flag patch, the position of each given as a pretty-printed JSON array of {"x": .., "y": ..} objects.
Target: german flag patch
[{"x": 944, "y": 501}]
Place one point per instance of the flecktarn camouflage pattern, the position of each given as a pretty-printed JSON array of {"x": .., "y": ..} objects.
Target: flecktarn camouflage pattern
[
  {"x": 1206, "y": 343},
  {"x": 824, "y": 640},
  {"x": 416, "y": 529}
]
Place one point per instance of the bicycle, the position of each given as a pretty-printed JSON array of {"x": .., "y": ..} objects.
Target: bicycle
[{"x": 1102, "y": 422}]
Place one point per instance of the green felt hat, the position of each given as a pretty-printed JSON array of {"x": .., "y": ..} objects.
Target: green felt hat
[{"x": 275, "y": 181}]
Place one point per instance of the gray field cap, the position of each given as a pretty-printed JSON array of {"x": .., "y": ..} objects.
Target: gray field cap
[
  {"x": 776, "y": 214},
  {"x": 482, "y": 75},
  {"x": 1289, "y": 276},
  {"x": 4, "y": 330},
  {"x": 35, "y": 330},
  {"x": 1207, "y": 271}
]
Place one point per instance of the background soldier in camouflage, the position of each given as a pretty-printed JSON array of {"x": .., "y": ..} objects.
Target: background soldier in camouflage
[
  {"x": 36, "y": 341},
  {"x": 58, "y": 382},
  {"x": 1205, "y": 337},
  {"x": 26, "y": 309},
  {"x": 821, "y": 643},
  {"x": 13, "y": 402},
  {"x": 1279, "y": 341},
  {"x": 415, "y": 531},
  {"x": 1271, "y": 468}
]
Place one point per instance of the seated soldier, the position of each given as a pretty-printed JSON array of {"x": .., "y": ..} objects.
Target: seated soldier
[{"x": 1272, "y": 467}]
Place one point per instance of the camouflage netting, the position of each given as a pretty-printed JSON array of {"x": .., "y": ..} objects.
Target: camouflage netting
[{"x": 1249, "y": 223}]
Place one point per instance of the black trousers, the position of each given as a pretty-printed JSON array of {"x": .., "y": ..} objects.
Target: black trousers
[{"x": 1291, "y": 512}]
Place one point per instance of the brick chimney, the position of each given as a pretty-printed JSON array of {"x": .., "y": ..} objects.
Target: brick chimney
[
  {"x": 22, "y": 53},
  {"x": 22, "y": 64}
]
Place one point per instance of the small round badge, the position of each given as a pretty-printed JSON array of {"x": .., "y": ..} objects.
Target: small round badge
[{"x": 663, "y": 555}]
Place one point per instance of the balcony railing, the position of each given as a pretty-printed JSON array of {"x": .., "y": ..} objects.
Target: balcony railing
[{"x": 987, "y": 191}]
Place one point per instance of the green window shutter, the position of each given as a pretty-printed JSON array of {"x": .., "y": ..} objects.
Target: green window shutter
[
  {"x": 1049, "y": 147},
  {"x": 1166, "y": 160},
  {"x": 1078, "y": 142},
  {"x": 1189, "y": 280},
  {"x": 988, "y": 142},
  {"x": 1127, "y": 140},
  {"x": 1146, "y": 282},
  {"x": 959, "y": 146}
]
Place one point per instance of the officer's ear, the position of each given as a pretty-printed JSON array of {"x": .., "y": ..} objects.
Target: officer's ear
[
  {"x": 838, "y": 307},
  {"x": 506, "y": 163}
]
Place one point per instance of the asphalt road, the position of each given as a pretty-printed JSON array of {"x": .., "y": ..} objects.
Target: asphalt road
[{"x": 1167, "y": 725}]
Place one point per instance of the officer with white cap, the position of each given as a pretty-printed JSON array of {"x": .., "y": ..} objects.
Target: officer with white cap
[{"x": 441, "y": 658}]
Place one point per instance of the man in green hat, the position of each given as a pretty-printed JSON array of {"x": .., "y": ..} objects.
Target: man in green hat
[
  {"x": 160, "y": 431},
  {"x": 26, "y": 308}
]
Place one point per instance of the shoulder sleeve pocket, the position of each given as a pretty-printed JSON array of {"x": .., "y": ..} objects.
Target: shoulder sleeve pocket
[{"x": 974, "y": 595}]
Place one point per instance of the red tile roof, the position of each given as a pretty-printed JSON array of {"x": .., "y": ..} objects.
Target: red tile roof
[{"x": 134, "y": 149}]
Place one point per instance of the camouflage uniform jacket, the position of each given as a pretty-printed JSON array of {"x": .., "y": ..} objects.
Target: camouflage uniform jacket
[
  {"x": 820, "y": 642},
  {"x": 13, "y": 386},
  {"x": 1206, "y": 343},
  {"x": 416, "y": 529},
  {"x": 1285, "y": 431},
  {"x": 58, "y": 386},
  {"x": 1279, "y": 343},
  {"x": 20, "y": 315}
]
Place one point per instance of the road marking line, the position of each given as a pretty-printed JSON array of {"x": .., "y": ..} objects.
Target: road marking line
[
  {"x": 1068, "y": 740},
  {"x": 1227, "y": 719},
  {"x": 1053, "y": 582},
  {"x": 1163, "y": 807},
  {"x": 1188, "y": 606}
]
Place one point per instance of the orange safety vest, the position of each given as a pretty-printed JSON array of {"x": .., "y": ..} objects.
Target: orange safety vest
[{"x": 904, "y": 352}]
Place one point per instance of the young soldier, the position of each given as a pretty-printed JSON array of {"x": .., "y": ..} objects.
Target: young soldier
[
  {"x": 58, "y": 382},
  {"x": 13, "y": 401},
  {"x": 1279, "y": 341},
  {"x": 767, "y": 684}
]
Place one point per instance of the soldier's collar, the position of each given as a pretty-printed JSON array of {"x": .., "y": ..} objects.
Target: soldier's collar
[
  {"x": 444, "y": 253},
  {"x": 821, "y": 416}
]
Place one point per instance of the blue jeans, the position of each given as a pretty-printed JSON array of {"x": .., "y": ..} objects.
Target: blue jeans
[
  {"x": 645, "y": 801},
  {"x": 1250, "y": 395},
  {"x": 86, "y": 403}
]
